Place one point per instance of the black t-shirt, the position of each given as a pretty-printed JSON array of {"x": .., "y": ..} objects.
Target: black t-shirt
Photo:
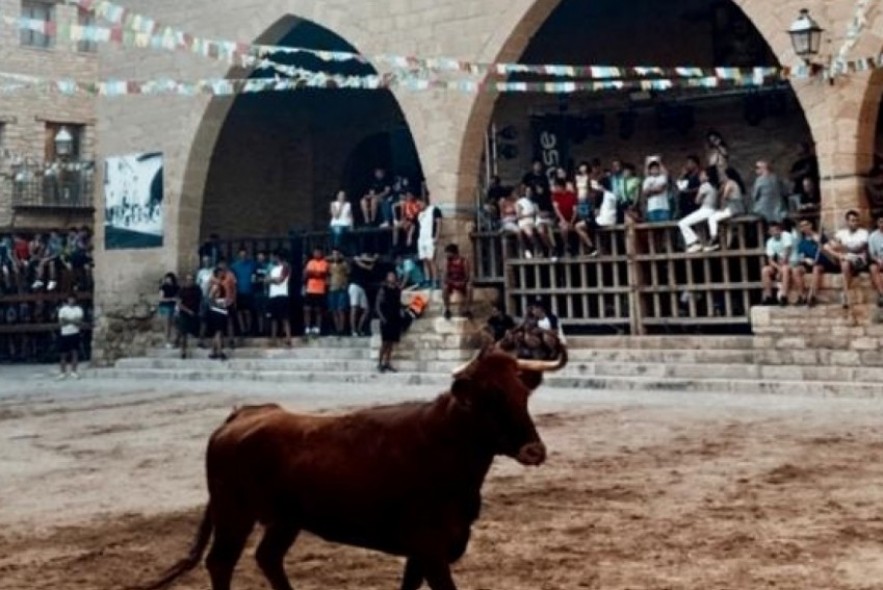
[
  {"x": 169, "y": 292},
  {"x": 534, "y": 180},
  {"x": 543, "y": 201},
  {"x": 693, "y": 183},
  {"x": 191, "y": 297},
  {"x": 378, "y": 185}
]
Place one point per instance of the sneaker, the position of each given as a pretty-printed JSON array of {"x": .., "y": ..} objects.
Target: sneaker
[
  {"x": 61, "y": 377},
  {"x": 712, "y": 247},
  {"x": 385, "y": 224},
  {"x": 783, "y": 300},
  {"x": 593, "y": 253},
  {"x": 355, "y": 334},
  {"x": 528, "y": 254},
  {"x": 316, "y": 331},
  {"x": 168, "y": 345},
  {"x": 37, "y": 285},
  {"x": 222, "y": 356},
  {"x": 811, "y": 301},
  {"x": 381, "y": 368},
  {"x": 75, "y": 376},
  {"x": 447, "y": 314},
  {"x": 390, "y": 369},
  {"x": 51, "y": 286},
  {"x": 553, "y": 259},
  {"x": 767, "y": 301},
  {"x": 844, "y": 300},
  {"x": 694, "y": 248}
]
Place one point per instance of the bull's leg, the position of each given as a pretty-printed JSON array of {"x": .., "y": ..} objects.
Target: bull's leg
[
  {"x": 229, "y": 540},
  {"x": 438, "y": 575},
  {"x": 413, "y": 576},
  {"x": 271, "y": 554}
]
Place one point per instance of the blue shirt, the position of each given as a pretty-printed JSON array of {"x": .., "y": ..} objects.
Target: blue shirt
[
  {"x": 243, "y": 270},
  {"x": 808, "y": 248}
]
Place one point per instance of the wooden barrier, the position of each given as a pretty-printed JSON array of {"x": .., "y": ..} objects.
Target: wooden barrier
[{"x": 642, "y": 282}]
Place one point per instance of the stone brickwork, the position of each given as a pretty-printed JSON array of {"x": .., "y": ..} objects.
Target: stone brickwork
[
  {"x": 24, "y": 114},
  {"x": 448, "y": 127}
]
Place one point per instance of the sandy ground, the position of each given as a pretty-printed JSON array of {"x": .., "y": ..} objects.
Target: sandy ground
[{"x": 101, "y": 484}]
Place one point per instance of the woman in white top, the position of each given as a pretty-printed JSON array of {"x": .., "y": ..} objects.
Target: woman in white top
[
  {"x": 732, "y": 204},
  {"x": 706, "y": 198},
  {"x": 526, "y": 210},
  {"x": 341, "y": 218}
]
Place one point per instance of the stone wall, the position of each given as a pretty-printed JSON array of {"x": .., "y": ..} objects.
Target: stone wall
[{"x": 24, "y": 114}]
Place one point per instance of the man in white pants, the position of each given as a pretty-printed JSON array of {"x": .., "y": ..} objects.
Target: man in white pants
[
  {"x": 707, "y": 200},
  {"x": 429, "y": 222}
]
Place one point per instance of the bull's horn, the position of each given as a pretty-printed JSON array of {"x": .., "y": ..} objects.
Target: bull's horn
[
  {"x": 542, "y": 366},
  {"x": 462, "y": 368}
]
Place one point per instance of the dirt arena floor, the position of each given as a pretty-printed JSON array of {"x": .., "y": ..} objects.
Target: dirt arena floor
[{"x": 101, "y": 486}]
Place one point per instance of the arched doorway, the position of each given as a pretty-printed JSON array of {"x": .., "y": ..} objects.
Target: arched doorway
[
  {"x": 280, "y": 157},
  {"x": 765, "y": 123}
]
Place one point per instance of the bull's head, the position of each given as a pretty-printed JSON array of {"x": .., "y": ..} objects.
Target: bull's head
[{"x": 496, "y": 387}]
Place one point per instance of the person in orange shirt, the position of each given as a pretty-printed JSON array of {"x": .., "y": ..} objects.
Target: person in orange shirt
[{"x": 316, "y": 278}]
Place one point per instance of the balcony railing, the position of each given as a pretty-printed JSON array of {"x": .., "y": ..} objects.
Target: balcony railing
[{"x": 61, "y": 186}]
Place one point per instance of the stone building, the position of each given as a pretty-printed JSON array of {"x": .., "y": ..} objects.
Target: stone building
[
  {"x": 40, "y": 188},
  {"x": 266, "y": 163}
]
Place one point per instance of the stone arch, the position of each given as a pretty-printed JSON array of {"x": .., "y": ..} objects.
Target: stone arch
[
  {"x": 518, "y": 27},
  {"x": 208, "y": 131}
]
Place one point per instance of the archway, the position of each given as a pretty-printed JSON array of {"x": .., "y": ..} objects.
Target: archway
[
  {"x": 757, "y": 123},
  {"x": 280, "y": 157}
]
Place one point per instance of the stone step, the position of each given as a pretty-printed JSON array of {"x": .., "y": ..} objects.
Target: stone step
[
  {"x": 579, "y": 369},
  {"x": 442, "y": 380},
  {"x": 661, "y": 342}
]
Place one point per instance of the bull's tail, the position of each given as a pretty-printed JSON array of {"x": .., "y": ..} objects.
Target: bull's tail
[{"x": 193, "y": 558}]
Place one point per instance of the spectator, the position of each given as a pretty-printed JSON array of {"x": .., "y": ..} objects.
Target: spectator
[
  {"x": 338, "y": 298},
  {"x": 389, "y": 311},
  {"x": 70, "y": 320},
  {"x": 259, "y": 291},
  {"x": 360, "y": 276},
  {"x": 850, "y": 249},
  {"x": 808, "y": 199},
  {"x": 718, "y": 152},
  {"x": 428, "y": 230},
  {"x": 583, "y": 178},
  {"x": 768, "y": 197},
  {"x": 188, "y": 305},
  {"x": 632, "y": 184},
  {"x": 706, "y": 199},
  {"x": 733, "y": 201},
  {"x": 212, "y": 250},
  {"x": 499, "y": 323},
  {"x": 7, "y": 267},
  {"x": 51, "y": 261},
  {"x": 316, "y": 277},
  {"x": 408, "y": 273},
  {"x": 341, "y": 219},
  {"x": 527, "y": 220},
  {"x": 688, "y": 187},
  {"x": 778, "y": 256},
  {"x": 405, "y": 219},
  {"x": 806, "y": 166},
  {"x": 508, "y": 207},
  {"x": 545, "y": 219},
  {"x": 36, "y": 254},
  {"x": 490, "y": 208},
  {"x": 219, "y": 311},
  {"x": 655, "y": 191},
  {"x": 278, "y": 304},
  {"x": 168, "y": 300},
  {"x": 457, "y": 278},
  {"x": 244, "y": 269},
  {"x": 811, "y": 258},
  {"x": 546, "y": 320},
  {"x": 875, "y": 257},
  {"x": 536, "y": 180},
  {"x": 230, "y": 291},
  {"x": 377, "y": 194},
  {"x": 21, "y": 258},
  {"x": 564, "y": 205},
  {"x": 204, "y": 277},
  {"x": 585, "y": 219},
  {"x": 608, "y": 209}
]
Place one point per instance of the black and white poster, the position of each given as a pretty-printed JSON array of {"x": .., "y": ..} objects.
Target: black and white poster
[{"x": 133, "y": 201}]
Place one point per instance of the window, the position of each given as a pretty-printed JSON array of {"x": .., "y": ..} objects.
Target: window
[
  {"x": 38, "y": 11},
  {"x": 52, "y": 130},
  {"x": 86, "y": 18}
]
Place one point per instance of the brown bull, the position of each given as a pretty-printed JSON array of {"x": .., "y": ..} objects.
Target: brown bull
[{"x": 403, "y": 479}]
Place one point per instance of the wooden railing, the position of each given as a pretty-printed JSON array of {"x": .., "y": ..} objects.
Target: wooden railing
[{"x": 643, "y": 281}]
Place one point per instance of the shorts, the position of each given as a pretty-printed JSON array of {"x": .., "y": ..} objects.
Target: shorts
[
  {"x": 315, "y": 300},
  {"x": 858, "y": 263},
  {"x": 188, "y": 324},
  {"x": 451, "y": 287},
  {"x": 279, "y": 308},
  {"x": 425, "y": 249},
  {"x": 358, "y": 297},
  {"x": 828, "y": 265},
  {"x": 69, "y": 343},
  {"x": 545, "y": 220},
  {"x": 391, "y": 332},
  {"x": 166, "y": 310},
  {"x": 509, "y": 227},
  {"x": 526, "y": 223},
  {"x": 217, "y": 322},
  {"x": 338, "y": 300},
  {"x": 244, "y": 301},
  {"x": 658, "y": 215}
]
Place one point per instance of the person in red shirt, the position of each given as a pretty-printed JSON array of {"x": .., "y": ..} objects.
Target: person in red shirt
[{"x": 564, "y": 203}]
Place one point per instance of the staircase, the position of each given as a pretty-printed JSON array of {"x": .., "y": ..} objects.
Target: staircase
[{"x": 795, "y": 351}]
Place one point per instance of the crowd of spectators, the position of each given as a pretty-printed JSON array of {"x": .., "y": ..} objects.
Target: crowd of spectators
[
  {"x": 35, "y": 263},
  {"x": 555, "y": 212}
]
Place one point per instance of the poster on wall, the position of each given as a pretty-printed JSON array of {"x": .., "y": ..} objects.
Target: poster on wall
[{"x": 133, "y": 201}]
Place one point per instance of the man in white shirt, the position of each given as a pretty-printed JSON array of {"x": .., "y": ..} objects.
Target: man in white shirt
[
  {"x": 655, "y": 191},
  {"x": 778, "y": 255},
  {"x": 429, "y": 227},
  {"x": 849, "y": 248},
  {"x": 70, "y": 318}
]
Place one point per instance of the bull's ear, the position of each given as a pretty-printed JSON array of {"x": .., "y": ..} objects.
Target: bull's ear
[
  {"x": 462, "y": 389},
  {"x": 531, "y": 379}
]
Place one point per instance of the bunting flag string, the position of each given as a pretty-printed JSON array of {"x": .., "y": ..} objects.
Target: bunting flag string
[{"x": 853, "y": 33}]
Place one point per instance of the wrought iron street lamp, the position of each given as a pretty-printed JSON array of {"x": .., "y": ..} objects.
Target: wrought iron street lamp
[
  {"x": 64, "y": 147},
  {"x": 806, "y": 36}
]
